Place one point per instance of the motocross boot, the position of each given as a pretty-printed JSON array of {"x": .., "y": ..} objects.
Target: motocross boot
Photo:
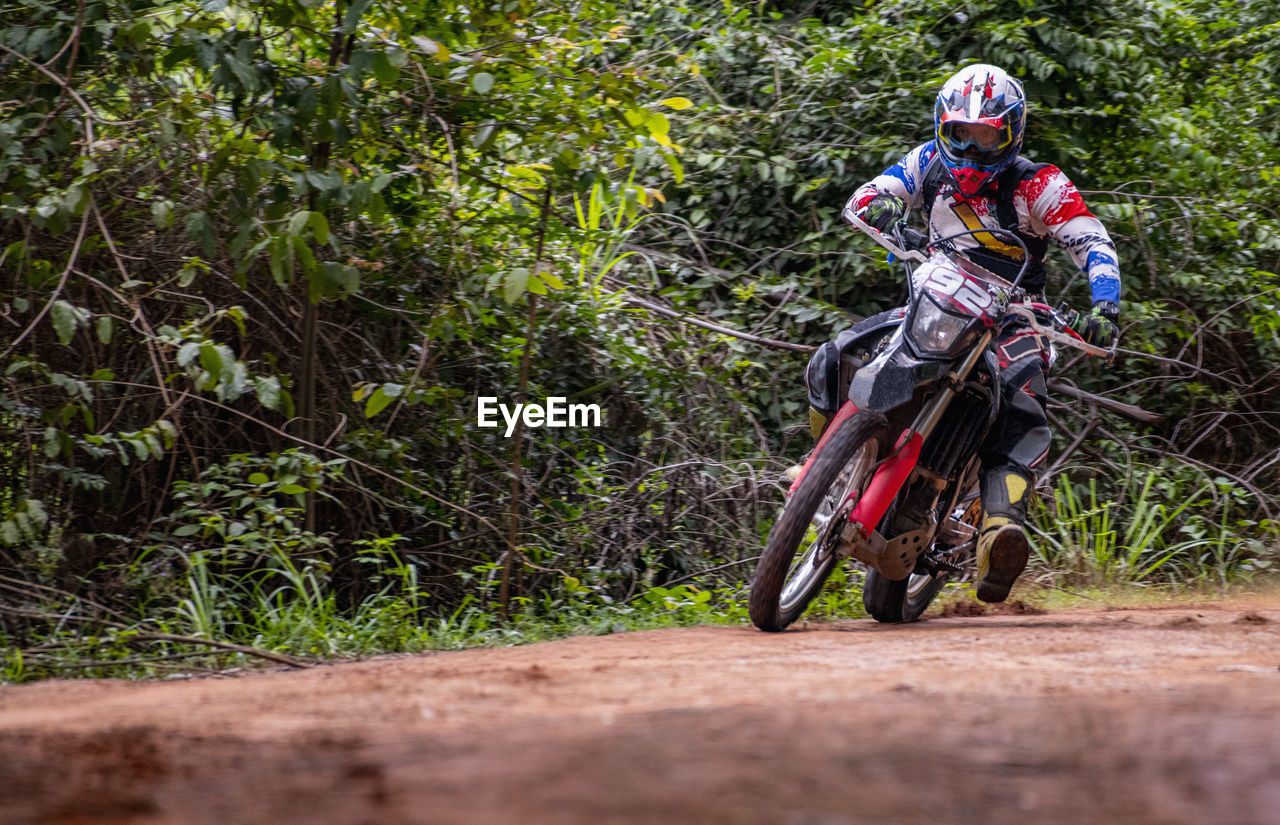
[
  {"x": 818, "y": 421},
  {"x": 1003, "y": 548}
]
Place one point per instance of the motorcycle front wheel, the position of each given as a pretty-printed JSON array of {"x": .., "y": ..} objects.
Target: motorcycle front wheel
[{"x": 810, "y": 523}]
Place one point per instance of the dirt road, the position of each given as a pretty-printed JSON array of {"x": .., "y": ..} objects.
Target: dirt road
[{"x": 1129, "y": 716}]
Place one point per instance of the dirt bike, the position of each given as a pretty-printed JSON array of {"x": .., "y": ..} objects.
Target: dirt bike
[{"x": 909, "y": 512}]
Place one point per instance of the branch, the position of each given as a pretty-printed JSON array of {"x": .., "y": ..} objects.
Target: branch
[
  {"x": 57, "y": 290},
  {"x": 250, "y": 651},
  {"x": 1136, "y": 413},
  {"x": 90, "y": 116},
  {"x": 698, "y": 322}
]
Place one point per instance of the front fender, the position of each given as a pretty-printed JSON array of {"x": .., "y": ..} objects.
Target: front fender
[{"x": 891, "y": 379}]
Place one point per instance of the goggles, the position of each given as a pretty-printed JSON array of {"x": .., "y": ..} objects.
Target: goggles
[{"x": 962, "y": 136}]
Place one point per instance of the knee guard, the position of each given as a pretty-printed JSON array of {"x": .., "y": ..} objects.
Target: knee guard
[{"x": 818, "y": 421}]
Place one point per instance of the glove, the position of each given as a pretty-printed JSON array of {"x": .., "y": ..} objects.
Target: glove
[
  {"x": 1099, "y": 326},
  {"x": 884, "y": 211}
]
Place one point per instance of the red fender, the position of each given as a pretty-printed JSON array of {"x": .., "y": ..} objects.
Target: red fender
[
  {"x": 887, "y": 481},
  {"x": 844, "y": 413}
]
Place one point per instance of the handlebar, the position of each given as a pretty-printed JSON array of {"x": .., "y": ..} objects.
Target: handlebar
[
  {"x": 880, "y": 238},
  {"x": 913, "y": 241},
  {"x": 920, "y": 240}
]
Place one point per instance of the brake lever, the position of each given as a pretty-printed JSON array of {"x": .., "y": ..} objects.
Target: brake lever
[
  {"x": 1059, "y": 337},
  {"x": 884, "y": 240}
]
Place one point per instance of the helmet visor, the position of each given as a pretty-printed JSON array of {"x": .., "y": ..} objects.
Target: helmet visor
[{"x": 977, "y": 141}]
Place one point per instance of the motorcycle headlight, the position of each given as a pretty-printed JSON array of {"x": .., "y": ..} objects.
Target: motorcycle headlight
[{"x": 934, "y": 330}]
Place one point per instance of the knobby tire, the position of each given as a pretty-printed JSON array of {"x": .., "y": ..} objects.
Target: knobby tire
[{"x": 764, "y": 605}]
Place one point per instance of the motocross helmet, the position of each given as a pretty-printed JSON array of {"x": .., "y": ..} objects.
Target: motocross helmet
[{"x": 978, "y": 121}]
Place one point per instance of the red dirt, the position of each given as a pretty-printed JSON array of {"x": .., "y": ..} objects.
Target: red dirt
[{"x": 1137, "y": 716}]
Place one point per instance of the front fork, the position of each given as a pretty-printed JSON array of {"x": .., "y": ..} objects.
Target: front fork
[{"x": 897, "y": 558}]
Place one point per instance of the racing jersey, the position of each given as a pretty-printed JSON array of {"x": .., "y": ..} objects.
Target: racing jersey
[{"x": 1046, "y": 205}]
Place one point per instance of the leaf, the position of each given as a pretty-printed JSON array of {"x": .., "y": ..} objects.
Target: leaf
[
  {"x": 514, "y": 285},
  {"x": 482, "y": 82},
  {"x": 167, "y": 430},
  {"x": 677, "y": 103},
  {"x": 383, "y": 70},
  {"x": 259, "y": 478},
  {"x": 200, "y": 229},
  {"x": 105, "y": 329},
  {"x": 268, "y": 390},
  {"x": 235, "y": 378},
  {"x": 324, "y": 181},
  {"x": 298, "y": 220},
  {"x": 352, "y": 19},
  {"x": 211, "y": 361},
  {"x": 340, "y": 278},
  {"x": 187, "y": 353},
  {"x": 376, "y": 403},
  {"x": 162, "y": 214},
  {"x": 319, "y": 227},
  {"x": 188, "y": 530},
  {"x": 676, "y": 168},
  {"x": 66, "y": 383},
  {"x": 280, "y": 255},
  {"x": 63, "y": 316},
  {"x": 657, "y": 124},
  {"x": 52, "y": 444},
  {"x": 141, "y": 448},
  {"x": 35, "y": 509},
  {"x": 484, "y": 136},
  {"x": 244, "y": 73},
  {"x": 426, "y": 44},
  {"x": 397, "y": 57}
]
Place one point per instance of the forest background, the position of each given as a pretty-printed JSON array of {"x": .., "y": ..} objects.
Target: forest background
[{"x": 258, "y": 262}]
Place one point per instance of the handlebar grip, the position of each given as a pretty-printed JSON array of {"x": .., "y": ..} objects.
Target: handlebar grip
[{"x": 913, "y": 239}]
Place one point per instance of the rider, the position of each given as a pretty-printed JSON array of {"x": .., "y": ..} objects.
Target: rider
[{"x": 971, "y": 176}]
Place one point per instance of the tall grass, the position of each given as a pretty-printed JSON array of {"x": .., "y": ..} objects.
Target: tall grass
[{"x": 1155, "y": 531}]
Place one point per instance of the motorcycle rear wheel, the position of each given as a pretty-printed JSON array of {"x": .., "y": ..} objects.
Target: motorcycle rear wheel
[
  {"x": 784, "y": 586},
  {"x": 903, "y": 600}
]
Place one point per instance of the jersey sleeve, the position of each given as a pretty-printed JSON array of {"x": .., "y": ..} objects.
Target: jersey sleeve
[
  {"x": 1057, "y": 210},
  {"x": 904, "y": 179}
]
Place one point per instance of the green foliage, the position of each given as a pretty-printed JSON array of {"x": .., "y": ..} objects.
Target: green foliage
[
  {"x": 258, "y": 262},
  {"x": 1165, "y": 529}
]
